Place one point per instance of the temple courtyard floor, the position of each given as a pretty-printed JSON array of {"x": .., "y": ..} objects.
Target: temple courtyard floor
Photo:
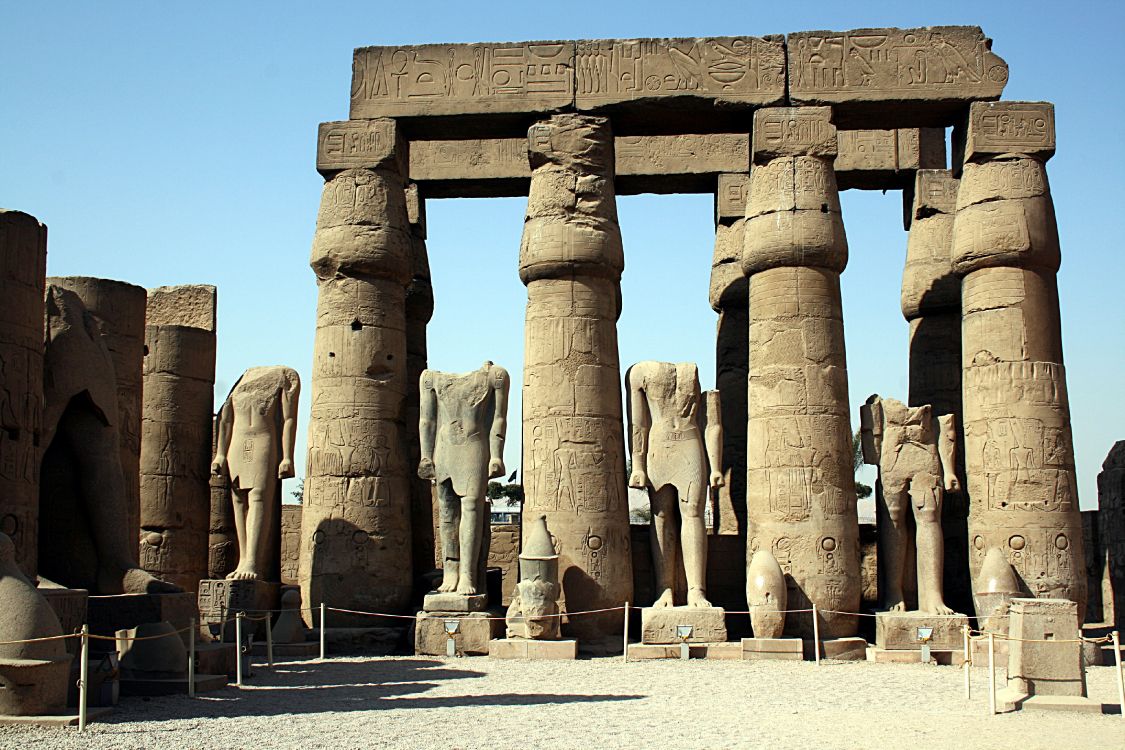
[{"x": 414, "y": 702}]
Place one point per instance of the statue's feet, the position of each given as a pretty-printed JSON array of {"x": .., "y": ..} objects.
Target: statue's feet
[
  {"x": 448, "y": 584},
  {"x": 697, "y": 598},
  {"x": 664, "y": 601},
  {"x": 137, "y": 581},
  {"x": 465, "y": 587},
  {"x": 242, "y": 574},
  {"x": 938, "y": 608}
]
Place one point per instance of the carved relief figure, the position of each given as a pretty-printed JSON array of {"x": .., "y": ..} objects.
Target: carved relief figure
[
  {"x": 462, "y": 424},
  {"x": 677, "y": 456},
  {"x": 257, "y": 431},
  {"x": 914, "y": 451}
]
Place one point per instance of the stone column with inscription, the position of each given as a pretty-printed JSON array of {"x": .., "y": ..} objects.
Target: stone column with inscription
[
  {"x": 1018, "y": 454},
  {"x": 355, "y": 532},
  {"x": 931, "y": 303},
  {"x": 23, "y": 270},
  {"x": 801, "y": 501},
  {"x": 728, "y": 298},
  {"x": 571, "y": 260},
  {"x": 179, "y": 393}
]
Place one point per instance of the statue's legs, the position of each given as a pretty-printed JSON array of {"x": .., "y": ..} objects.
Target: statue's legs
[
  {"x": 449, "y": 515},
  {"x": 240, "y": 501},
  {"x": 926, "y": 497},
  {"x": 259, "y": 521},
  {"x": 665, "y": 545},
  {"x": 694, "y": 540},
  {"x": 471, "y": 531},
  {"x": 894, "y": 540}
]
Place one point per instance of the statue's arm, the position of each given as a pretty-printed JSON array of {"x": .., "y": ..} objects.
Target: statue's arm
[
  {"x": 289, "y": 426},
  {"x": 226, "y": 423},
  {"x": 639, "y": 423},
  {"x": 500, "y": 382},
  {"x": 712, "y": 414},
  {"x": 946, "y": 427},
  {"x": 427, "y": 423}
]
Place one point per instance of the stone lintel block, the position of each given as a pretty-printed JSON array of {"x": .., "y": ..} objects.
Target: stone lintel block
[
  {"x": 886, "y": 159},
  {"x": 899, "y": 630},
  {"x": 934, "y": 192},
  {"x": 730, "y": 651},
  {"x": 851, "y": 648},
  {"x": 437, "y": 601},
  {"x": 917, "y": 77},
  {"x": 793, "y": 131},
  {"x": 359, "y": 144},
  {"x": 475, "y": 632},
  {"x": 762, "y": 649},
  {"x": 658, "y": 624},
  {"x": 520, "y": 648},
  {"x": 108, "y": 614},
  {"x": 462, "y": 79},
  {"x": 731, "y": 194},
  {"x": 191, "y": 305},
  {"x": 1004, "y": 128}
]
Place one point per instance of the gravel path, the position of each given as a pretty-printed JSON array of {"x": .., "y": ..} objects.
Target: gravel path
[{"x": 599, "y": 703}]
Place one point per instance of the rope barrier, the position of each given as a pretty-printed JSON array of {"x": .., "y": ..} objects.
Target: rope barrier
[{"x": 41, "y": 640}]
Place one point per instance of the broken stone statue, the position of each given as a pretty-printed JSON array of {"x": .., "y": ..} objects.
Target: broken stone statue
[{"x": 534, "y": 610}]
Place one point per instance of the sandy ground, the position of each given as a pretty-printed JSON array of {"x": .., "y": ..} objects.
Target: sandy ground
[{"x": 600, "y": 703}]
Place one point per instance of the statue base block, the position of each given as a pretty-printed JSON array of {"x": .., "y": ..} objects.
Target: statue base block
[
  {"x": 899, "y": 630},
  {"x": 521, "y": 648},
  {"x": 287, "y": 651},
  {"x": 730, "y": 651},
  {"x": 69, "y": 606},
  {"x": 216, "y": 658},
  {"x": 660, "y": 625},
  {"x": 1010, "y": 699},
  {"x": 475, "y": 630},
  {"x": 773, "y": 649},
  {"x": 222, "y": 598},
  {"x": 852, "y": 648},
  {"x": 108, "y": 614},
  {"x": 902, "y": 656},
  {"x": 437, "y": 601}
]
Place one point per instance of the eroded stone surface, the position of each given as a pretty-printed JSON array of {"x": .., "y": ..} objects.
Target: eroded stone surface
[
  {"x": 899, "y": 630},
  {"x": 1111, "y": 532},
  {"x": 660, "y": 624},
  {"x": 534, "y": 609},
  {"x": 475, "y": 631},
  {"x": 1044, "y": 655}
]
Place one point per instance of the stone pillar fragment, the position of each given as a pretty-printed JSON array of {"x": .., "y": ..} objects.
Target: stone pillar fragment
[
  {"x": 355, "y": 533},
  {"x": 1110, "y": 535},
  {"x": 119, "y": 309},
  {"x": 1019, "y": 456},
  {"x": 801, "y": 502},
  {"x": 574, "y": 469},
  {"x": 728, "y": 297},
  {"x": 931, "y": 303},
  {"x": 179, "y": 393},
  {"x": 23, "y": 270}
]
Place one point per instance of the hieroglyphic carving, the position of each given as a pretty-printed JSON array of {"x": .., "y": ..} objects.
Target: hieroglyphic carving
[
  {"x": 884, "y": 159},
  {"x": 1012, "y": 128},
  {"x": 353, "y": 144}
]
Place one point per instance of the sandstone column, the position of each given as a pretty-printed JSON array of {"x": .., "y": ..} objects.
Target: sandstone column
[
  {"x": 179, "y": 393},
  {"x": 119, "y": 308},
  {"x": 23, "y": 270},
  {"x": 931, "y": 303},
  {"x": 355, "y": 531},
  {"x": 801, "y": 502},
  {"x": 1019, "y": 455},
  {"x": 574, "y": 469},
  {"x": 728, "y": 296}
]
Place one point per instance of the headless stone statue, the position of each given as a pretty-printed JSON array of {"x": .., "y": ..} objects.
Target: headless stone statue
[
  {"x": 462, "y": 424},
  {"x": 915, "y": 454},
  {"x": 677, "y": 457},
  {"x": 257, "y": 430}
]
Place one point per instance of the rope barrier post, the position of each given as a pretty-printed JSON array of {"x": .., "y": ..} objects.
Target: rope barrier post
[
  {"x": 83, "y": 675},
  {"x": 625, "y": 636},
  {"x": 191, "y": 660},
  {"x": 815, "y": 635},
  {"x": 238, "y": 649},
  {"x": 322, "y": 631},
  {"x": 967, "y": 662},
  {"x": 269, "y": 640},
  {"x": 991, "y": 675},
  {"x": 1120, "y": 675}
]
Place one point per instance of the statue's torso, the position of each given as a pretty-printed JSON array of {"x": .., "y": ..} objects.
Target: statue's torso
[
  {"x": 465, "y": 404},
  {"x": 676, "y": 453},
  {"x": 255, "y": 442}
]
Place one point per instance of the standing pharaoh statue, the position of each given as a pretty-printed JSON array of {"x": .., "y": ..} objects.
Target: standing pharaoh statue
[
  {"x": 915, "y": 453},
  {"x": 257, "y": 430},
  {"x": 462, "y": 424},
  {"x": 677, "y": 456}
]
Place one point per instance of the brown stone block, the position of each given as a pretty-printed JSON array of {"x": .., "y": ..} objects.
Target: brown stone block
[
  {"x": 935, "y": 192},
  {"x": 1011, "y": 233},
  {"x": 887, "y": 159},
  {"x": 475, "y": 631},
  {"x": 730, "y": 651},
  {"x": 174, "y": 353},
  {"x": 916, "y": 76},
  {"x": 899, "y": 630},
  {"x": 518, "y": 648},
  {"x": 800, "y": 183},
  {"x": 999, "y": 128},
  {"x": 793, "y": 131},
  {"x": 1002, "y": 180},
  {"x": 731, "y": 195},
  {"x": 358, "y": 144},
  {"x": 772, "y": 649},
  {"x": 841, "y": 649},
  {"x": 185, "y": 305},
  {"x": 659, "y": 625}
]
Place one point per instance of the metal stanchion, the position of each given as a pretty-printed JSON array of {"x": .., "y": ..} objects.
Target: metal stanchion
[
  {"x": 238, "y": 649},
  {"x": 967, "y": 662},
  {"x": 991, "y": 675},
  {"x": 625, "y": 636},
  {"x": 1120, "y": 675},
  {"x": 83, "y": 677},
  {"x": 815, "y": 635},
  {"x": 269, "y": 641},
  {"x": 322, "y": 631},
  {"x": 191, "y": 660}
]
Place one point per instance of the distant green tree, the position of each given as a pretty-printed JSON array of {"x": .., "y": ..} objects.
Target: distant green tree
[
  {"x": 513, "y": 491},
  {"x": 299, "y": 493}
]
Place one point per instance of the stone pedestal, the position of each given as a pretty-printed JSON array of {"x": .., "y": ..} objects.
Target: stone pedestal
[
  {"x": 773, "y": 649},
  {"x": 69, "y": 605},
  {"x": 520, "y": 648},
  {"x": 222, "y": 599},
  {"x": 216, "y": 658},
  {"x": 108, "y": 614},
  {"x": 659, "y": 624},
  {"x": 730, "y": 651},
  {"x": 451, "y": 602},
  {"x": 475, "y": 631},
  {"x": 840, "y": 649},
  {"x": 899, "y": 630},
  {"x": 1045, "y": 658}
]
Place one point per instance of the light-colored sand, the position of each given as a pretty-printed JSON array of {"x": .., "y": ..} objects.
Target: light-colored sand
[{"x": 601, "y": 703}]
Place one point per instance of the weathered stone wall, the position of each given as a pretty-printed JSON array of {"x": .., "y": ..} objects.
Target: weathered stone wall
[{"x": 290, "y": 542}]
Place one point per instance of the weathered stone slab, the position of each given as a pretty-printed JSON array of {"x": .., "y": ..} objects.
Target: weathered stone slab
[
  {"x": 773, "y": 649},
  {"x": 183, "y": 305},
  {"x": 730, "y": 196},
  {"x": 520, "y": 648},
  {"x": 731, "y": 651},
  {"x": 437, "y": 601},
  {"x": 1044, "y": 654},
  {"x": 998, "y": 128},
  {"x": 69, "y": 605},
  {"x": 899, "y": 630},
  {"x": 658, "y": 624},
  {"x": 841, "y": 649},
  {"x": 356, "y": 144},
  {"x": 917, "y": 77},
  {"x": 217, "y": 658},
  {"x": 898, "y": 656},
  {"x": 462, "y": 79},
  {"x": 475, "y": 631},
  {"x": 793, "y": 131},
  {"x": 886, "y": 159}
]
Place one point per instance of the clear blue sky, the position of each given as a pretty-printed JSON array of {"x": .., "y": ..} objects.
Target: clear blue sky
[{"x": 172, "y": 143}]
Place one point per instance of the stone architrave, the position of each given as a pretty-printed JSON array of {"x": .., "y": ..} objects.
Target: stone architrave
[
  {"x": 257, "y": 434},
  {"x": 728, "y": 297},
  {"x": 419, "y": 310},
  {"x": 222, "y": 540},
  {"x": 801, "y": 501},
  {"x": 574, "y": 466},
  {"x": 909, "y": 77},
  {"x": 931, "y": 303},
  {"x": 885, "y": 159},
  {"x": 1019, "y": 453},
  {"x": 179, "y": 393},
  {"x": 676, "y": 435},
  {"x": 355, "y": 532},
  {"x": 533, "y": 612},
  {"x": 1111, "y": 534},
  {"x": 120, "y": 310},
  {"x": 23, "y": 264}
]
